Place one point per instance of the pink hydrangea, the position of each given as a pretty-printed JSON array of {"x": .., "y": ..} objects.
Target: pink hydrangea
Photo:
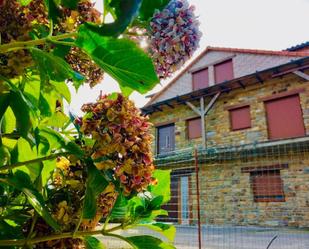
[{"x": 174, "y": 36}]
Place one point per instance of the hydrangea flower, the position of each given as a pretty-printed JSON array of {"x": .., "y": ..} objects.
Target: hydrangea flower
[
  {"x": 174, "y": 36},
  {"x": 123, "y": 141}
]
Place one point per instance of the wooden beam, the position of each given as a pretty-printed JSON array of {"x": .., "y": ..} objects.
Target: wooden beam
[
  {"x": 194, "y": 108},
  {"x": 169, "y": 105},
  {"x": 277, "y": 74},
  {"x": 241, "y": 84},
  {"x": 211, "y": 103},
  {"x": 202, "y": 113},
  {"x": 301, "y": 74}
]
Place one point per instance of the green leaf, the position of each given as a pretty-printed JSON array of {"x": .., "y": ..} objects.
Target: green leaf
[
  {"x": 26, "y": 153},
  {"x": 55, "y": 140},
  {"x": 169, "y": 231},
  {"x": 24, "y": 2},
  {"x": 32, "y": 90},
  {"x": 63, "y": 89},
  {"x": 96, "y": 183},
  {"x": 120, "y": 58},
  {"x": 55, "y": 68},
  {"x": 163, "y": 186},
  {"x": 149, "y": 6},
  {"x": 70, "y": 4},
  {"x": 48, "y": 168},
  {"x": 93, "y": 243},
  {"x": 22, "y": 182},
  {"x": 156, "y": 203},
  {"x": 4, "y": 103},
  {"x": 120, "y": 209},
  {"x": 57, "y": 120},
  {"x": 23, "y": 111},
  {"x": 149, "y": 242},
  {"x": 125, "y": 12},
  {"x": 53, "y": 10}
]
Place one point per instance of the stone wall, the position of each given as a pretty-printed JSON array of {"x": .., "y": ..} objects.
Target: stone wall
[
  {"x": 226, "y": 192},
  {"x": 217, "y": 122},
  {"x": 227, "y": 197}
]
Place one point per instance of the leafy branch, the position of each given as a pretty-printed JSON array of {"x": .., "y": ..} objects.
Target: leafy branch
[
  {"x": 29, "y": 44},
  {"x": 78, "y": 234},
  {"x": 36, "y": 160}
]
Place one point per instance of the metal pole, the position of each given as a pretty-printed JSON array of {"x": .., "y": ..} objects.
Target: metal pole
[
  {"x": 198, "y": 199},
  {"x": 202, "y": 113}
]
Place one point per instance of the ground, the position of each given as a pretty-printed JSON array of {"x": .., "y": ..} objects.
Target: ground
[{"x": 229, "y": 237}]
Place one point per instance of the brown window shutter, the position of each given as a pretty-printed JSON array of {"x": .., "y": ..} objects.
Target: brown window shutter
[
  {"x": 224, "y": 71},
  {"x": 240, "y": 118},
  {"x": 284, "y": 118},
  {"x": 200, "y": 79},
  {"x": 194, "y": 128},
  {"x": 267, "y": 186}
]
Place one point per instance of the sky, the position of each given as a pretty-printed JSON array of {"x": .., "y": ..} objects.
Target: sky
[{"x": 256, "y": 24}]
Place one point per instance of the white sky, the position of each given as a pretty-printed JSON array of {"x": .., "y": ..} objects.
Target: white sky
[{"x": 256, "y": 24}]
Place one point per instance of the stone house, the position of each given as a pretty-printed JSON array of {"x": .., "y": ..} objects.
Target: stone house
[{"x": 247, "y": 112}]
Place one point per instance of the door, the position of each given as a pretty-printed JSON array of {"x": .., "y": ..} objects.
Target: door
[
  {"x": 166, "y": 139},
  {"x": 184, "y": 190}
]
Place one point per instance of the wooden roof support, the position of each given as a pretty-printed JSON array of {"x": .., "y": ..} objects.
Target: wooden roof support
[
  {"x": 202, "y": 112},
  {"x": 301, "y": 74}
]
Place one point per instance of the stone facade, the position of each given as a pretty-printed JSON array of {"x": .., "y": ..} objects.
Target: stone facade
[{"x": 226, "y": 192}]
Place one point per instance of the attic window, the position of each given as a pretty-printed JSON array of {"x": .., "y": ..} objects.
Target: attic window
[
  {"x": 200, "y": 79},
  {"x": 224, "y": 71}
]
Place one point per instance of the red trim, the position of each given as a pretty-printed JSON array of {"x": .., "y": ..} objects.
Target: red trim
[{"x": 283, "y": 94}]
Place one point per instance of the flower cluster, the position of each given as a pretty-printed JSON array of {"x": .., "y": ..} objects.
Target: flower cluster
[
  {"x": 17, "y": 22},
  {"x": 122, "y": 141},
  {"x": 174, "y": 36}
]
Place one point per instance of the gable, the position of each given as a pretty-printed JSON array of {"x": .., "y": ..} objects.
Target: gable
[{"x": 244, "y": 63}]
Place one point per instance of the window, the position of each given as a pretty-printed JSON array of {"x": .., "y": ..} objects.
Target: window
[
  {"x": 284, "y": 117},
  {"x": 166, "y": 139},
  {"x": 200, "y": 79},
  {"x": 267, "y": 186},
  {"x": 240, "y": 118},
  {"x": 224, "y": 71},
  {"x": 194, "y": 128}
]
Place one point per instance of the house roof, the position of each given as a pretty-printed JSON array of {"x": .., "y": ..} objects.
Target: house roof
[
  {"x": 298, "y": 46},
  {"x": 222, "y": 49},
  {"x": 225, "y": 87}
]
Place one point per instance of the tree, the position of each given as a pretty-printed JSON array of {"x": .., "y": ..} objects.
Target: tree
[{"x": 61, "y": 174}]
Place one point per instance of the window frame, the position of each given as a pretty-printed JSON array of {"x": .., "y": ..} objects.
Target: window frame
[
  {"x": 187, "y": 126},
  {"x": 281, "y": 97},
  {"x": 198, "y": 71},
  {"x": 269, "y": 197},
  {"x": 230, "y": 113},
  {"x": 220, "y": 63}
]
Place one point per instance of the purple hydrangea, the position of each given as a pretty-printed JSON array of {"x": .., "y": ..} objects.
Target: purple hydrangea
[{"x": 174, "y": 36}]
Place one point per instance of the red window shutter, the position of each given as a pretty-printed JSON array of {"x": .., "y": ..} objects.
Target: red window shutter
[
  {"x": 284, "y": 118},
  {"x": 224, "y": 71},
  {"x": 200, "y": 79},
  {"x": 194, "y": 128},
  {"x": 267, "y": 186},
  {"x": 240, "y": 118}
]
